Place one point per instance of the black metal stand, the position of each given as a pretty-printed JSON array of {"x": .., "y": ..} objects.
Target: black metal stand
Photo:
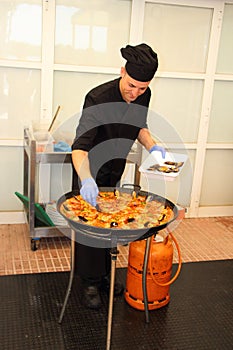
[
  {"x": 72, "y": 255},
  {"x": 113, "y": 253}
]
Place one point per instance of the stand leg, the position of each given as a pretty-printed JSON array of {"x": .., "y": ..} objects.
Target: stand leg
[
  {"x": 144, "y": 274},
  {"x": 113, "y": 253},
  {"x": 71, "y": 276}
]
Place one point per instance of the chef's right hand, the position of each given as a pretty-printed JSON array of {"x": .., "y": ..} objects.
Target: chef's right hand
[
  {"x": 158, "y": 148},
  {"x": 89, "y": 191}
]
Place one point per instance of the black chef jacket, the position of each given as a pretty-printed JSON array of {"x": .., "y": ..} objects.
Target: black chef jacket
[{"x": 107, "y": 130}]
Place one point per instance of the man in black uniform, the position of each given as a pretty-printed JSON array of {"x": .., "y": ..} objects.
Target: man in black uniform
[{"x": 114, "y": 115}]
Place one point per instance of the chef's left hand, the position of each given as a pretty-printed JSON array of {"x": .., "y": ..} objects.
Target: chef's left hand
[{"x": 158, "y": 148}]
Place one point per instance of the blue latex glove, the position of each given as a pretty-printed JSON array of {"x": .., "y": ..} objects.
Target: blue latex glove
[
  {"x": 89, "y": 191},
  {"x": 158, "y": 148}
]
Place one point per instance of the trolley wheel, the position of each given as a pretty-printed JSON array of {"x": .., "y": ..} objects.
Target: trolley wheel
[{"x": 35, "y": 244}]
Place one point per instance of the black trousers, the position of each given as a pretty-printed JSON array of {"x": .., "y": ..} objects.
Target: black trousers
[{"x": 91, "y": 263}]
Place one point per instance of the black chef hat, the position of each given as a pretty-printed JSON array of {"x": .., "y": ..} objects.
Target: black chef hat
[{"x": 142, "y": 62}]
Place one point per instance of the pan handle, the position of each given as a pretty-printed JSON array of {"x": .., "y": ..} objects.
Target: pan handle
[{"x": 136, "y": 188}]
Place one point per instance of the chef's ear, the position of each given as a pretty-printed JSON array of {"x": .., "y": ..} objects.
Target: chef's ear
[{"x": 123, "y": 71}]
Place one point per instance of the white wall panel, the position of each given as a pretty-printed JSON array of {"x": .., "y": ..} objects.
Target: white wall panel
[
  {"x": 91, "y": 32},
  {"x": 221, "y": 125},
  {"x": 11, "y": 178},
  {"x": 180, "y": 34},
  {"x": 217, "y": 185},
  {"x": 19, "y": 100},
  {"x": 20, "y": 34},
  {"x": 179, "y": 102},
  {"x": 225, "y": 57}
]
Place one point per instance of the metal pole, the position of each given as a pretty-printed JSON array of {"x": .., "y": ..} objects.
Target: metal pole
[
  {"x": 113, "y": 253},
  {"x": 144, "y": 274},
  {"x": 72, "y": 257}
]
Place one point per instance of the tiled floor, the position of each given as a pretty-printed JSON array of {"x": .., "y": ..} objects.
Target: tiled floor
[{"x": 199, "y": 240}]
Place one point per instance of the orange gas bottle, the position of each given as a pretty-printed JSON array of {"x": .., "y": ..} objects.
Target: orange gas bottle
[{"x": 159, "y": 271}]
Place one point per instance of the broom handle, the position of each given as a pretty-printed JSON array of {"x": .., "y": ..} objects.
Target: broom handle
[{"x": 54, "y": 118}]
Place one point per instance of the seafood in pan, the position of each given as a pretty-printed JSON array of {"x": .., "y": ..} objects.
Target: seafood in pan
[{"x": 118, "y": 211}]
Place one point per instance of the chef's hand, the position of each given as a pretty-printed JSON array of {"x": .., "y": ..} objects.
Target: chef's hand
[
  {"x": 158, "y": 148},
  {"x": 89, "y": 191}
]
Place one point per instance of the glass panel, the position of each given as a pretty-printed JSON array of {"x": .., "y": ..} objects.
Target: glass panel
[
  {"x": 21, "y": 26},
  {"x": 61, "y": 180},
  {"x": 179, "y": 34},
  {"x": 178, "y": 101},
  {"x": 217, "y": 185},
  {"x": 225, "y": 58},
  {"x": 19, "y": 100},
  {"x": 221, "y": 121},
  {"x": 11, "y": 177},
  {"x": 71, "y": 103},
  {"x": 91, "y": 32}
]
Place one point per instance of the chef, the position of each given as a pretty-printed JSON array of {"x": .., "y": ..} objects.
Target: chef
[{"x": 114, "y": 115}]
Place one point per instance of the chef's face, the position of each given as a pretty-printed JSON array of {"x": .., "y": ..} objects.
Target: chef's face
[{"x": 130, "y": 89}]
